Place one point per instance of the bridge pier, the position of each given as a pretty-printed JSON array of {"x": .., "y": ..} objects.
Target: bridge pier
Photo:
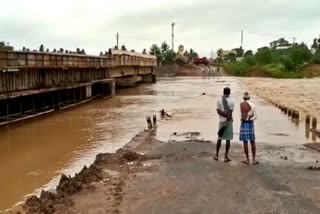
[{"x": 149, "y": 78}]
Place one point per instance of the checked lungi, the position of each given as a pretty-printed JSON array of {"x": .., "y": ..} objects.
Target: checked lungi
[{"x": 247, "y": 131}]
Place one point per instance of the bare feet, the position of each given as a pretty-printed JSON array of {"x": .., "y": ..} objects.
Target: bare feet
[
  {"x": 246, "y": 162},
  {"x": 255, "y": 162},
  {"x": 226, "y": 160},
  {"x": 216, "y": 158}
]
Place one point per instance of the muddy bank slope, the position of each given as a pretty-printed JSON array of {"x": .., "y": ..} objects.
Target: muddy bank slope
[
  {"x": 186, "y": 70},
  {"x": 298, "y": 94},
  {"x": 150, "y": 176}
]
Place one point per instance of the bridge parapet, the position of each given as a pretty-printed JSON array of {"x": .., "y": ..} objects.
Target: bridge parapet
[
  {"x": 18, "y": 59},
  {"x": 128, "y": 58}
]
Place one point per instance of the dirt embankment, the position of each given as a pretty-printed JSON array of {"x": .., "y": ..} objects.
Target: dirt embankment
[
  {"x": 298, "y": 94},
  {"x": 312, "y": 70},
  {"x": 181, "y": 177},
  {"x": 110, "y": 170},
  {"x": 187, "y": 70}
]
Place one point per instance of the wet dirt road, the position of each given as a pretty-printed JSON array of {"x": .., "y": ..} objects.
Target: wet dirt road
[{"x": 34, "y": 155}]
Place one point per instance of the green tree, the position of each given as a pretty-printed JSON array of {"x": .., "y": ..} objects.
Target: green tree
[
  {"x": 156, "y": 51},
  {"x": 248, "y": 53},
  {"x": 264, "y": 55},
  {"x": 282, "y": 42},
  {"x": 193, "y": 54},
  {"x": 5, "y": 46},
  {"x": 169, "y": 57},
  {"x": 41, "y": 48},
  {"x": 316, "y": 45},
  {"x": 220, "y": 52},
  {"x": 232, "y": 57},
  {"x": 123, "y": 48},
  {"x": 164, "y": 47},
  {"x": 239, "y": 51}
]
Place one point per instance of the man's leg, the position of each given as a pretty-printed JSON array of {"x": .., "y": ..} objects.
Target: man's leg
[
  {"x": 226, "y": 158},
  {"x": 246, "y": 151},
  {"x": 253, "y": 148},
  {"x": 217, "y": 149}
]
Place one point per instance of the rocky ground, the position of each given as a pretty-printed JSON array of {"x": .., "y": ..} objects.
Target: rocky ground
[{"x": 150, "y": 176}]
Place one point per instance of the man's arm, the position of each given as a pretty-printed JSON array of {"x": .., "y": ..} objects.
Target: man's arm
[
  {"x": 219, "y": 111},
  {"x": 222, "y": 113},
  {"x": 229, "y": 117}
]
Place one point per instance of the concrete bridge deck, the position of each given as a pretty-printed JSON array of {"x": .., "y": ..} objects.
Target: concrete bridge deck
[{"x": 33, "y": 82}]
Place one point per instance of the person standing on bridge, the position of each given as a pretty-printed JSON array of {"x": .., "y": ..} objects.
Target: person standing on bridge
[
  {"x": 225, "y": 108},
  {"x": 248, "y": 115}
]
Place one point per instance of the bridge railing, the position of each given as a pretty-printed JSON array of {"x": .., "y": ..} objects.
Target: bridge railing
[{"x": 18, "y": 59}]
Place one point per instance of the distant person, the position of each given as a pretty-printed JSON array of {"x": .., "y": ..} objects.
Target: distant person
[
  {"x": 225, "y": 108},
  {"x": 248, "y": 115},
  {"x": 164, "y": 114}
]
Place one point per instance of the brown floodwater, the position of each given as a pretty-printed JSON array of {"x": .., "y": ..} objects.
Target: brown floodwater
[{"x": 33, "y": 156}]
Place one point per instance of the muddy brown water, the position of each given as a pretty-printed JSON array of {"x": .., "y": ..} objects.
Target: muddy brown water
[{"x": 33, "y": 156}]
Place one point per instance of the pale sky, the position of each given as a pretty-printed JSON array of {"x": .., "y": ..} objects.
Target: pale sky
[{"x": 203, "y": 25}]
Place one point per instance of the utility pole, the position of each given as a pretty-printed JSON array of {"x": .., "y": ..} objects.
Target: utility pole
[
  {"x": 294, "y": 41},
  {"x": 241, "y": 39},
  {"x": 172, "y": 28},
  {"x": 118, "y": 40}
]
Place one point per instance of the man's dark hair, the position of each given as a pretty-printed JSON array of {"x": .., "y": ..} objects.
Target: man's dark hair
[{"x": 226, "y": 91}]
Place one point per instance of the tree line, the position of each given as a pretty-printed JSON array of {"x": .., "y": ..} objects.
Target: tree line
[
  {"x": 165, "y": 55},
  {"x": 280, "y": 59}
]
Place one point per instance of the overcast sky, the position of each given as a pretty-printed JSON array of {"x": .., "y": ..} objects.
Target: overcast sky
[{"x": 203, "y": 25}]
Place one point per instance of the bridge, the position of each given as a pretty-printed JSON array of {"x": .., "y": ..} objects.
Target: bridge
[{"x": 37, "y": 83}]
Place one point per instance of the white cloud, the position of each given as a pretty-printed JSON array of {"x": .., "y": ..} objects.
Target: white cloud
[{"x": 203, "y": 25}]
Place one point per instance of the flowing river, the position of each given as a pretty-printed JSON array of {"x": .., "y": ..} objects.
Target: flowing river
[{"x": 34, "y": 155}]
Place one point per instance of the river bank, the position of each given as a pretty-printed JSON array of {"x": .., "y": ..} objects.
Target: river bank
[
  {"x": 105, "y": 126},
  {"x": 152, "y": 176},
  {"x": 298, "y": 94}
]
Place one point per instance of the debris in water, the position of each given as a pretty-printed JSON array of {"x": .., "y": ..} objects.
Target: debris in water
[
  {"x": 164, "y": 114},
  {"x": 313, "y": 168}
]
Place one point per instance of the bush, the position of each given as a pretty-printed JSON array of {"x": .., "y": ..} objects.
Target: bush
[
  {"x": 316, "y": 58},
  {"x": 283, "y": 63}
]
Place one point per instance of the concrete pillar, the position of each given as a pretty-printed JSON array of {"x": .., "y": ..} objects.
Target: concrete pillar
[
  {"x": 314, "y": 123},
  {"x": 154, "y": 78},
  {"x": 88, "y": 91},
  {"x": 308, "y": 121},
  {"x": 149, "y": 78},
  {"x": 149, "y": 122},
  {"x": 113, "y": 87},
  {"x": 154, "y": 120}
]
